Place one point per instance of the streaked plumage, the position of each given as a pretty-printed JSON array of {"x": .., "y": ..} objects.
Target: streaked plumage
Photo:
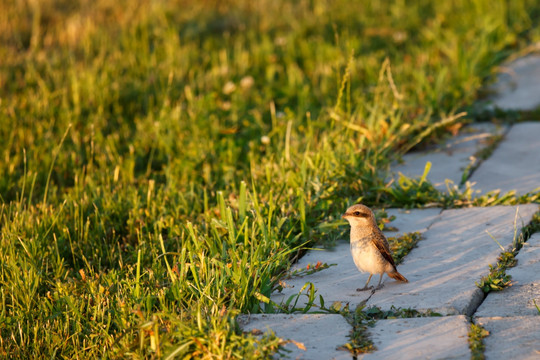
[{"x": 369, "y": 247}]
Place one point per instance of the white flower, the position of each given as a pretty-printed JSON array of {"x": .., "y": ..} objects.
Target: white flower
[
  {"x": 229, "y": 88},
  {"x": 247, "y": 82},
  {"x": 265, "y": 139}
]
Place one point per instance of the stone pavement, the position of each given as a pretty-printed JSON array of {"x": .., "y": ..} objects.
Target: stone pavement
[
  {"x": 420, "y": 338},
  {"x": 450, "y": 159},
  {"x": 518, "y": 87},
  {"x": 455, "y": 252},
  {"x": 518, "y": 154},
  {"x": 309, "y": 332},
  {"x": 512, "y": 316}
]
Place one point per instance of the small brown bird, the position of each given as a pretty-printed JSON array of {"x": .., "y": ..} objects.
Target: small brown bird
[{"x": 369, "y": 247}]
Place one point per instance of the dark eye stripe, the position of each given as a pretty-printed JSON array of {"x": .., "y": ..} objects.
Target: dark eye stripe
[{"x": 359, "y": 214}]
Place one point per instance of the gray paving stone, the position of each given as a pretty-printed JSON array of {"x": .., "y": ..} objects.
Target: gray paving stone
[
  {"x": 534, "y": 240},
  {"x": 320, "y": 334},
  {"x": 414, "y": 220},
  {"x": 420, "y": 338},
  {"x": 518, "y": 299},
  {"x": 515, "y": 164},
  {"x": 527, "y": 269},
  {"x": 512, "y": 337},
  {"x": 518, "y": 87},
  {"x": 339, "y": 282},
  {"x": 335, "y": 284},
  {"x": 449, "y": 160},
  {"x": 455, "y": 254}
]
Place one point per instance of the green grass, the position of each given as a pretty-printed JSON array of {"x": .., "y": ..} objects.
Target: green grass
[
  {"x": 476, "y": 335},
  {"x": 402, "y": 245},
  {"x": 536, "y": 306},
  {"x": 162, "y": 162}
]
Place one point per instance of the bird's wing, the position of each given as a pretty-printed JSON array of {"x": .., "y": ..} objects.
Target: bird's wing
[{"x": 381, "y": 243}]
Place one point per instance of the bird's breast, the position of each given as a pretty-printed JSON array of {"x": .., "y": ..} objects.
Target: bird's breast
[{"x": 367, "y": 257}]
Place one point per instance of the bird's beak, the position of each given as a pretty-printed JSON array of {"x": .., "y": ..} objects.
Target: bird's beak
[{"x": 344, "y": 216}]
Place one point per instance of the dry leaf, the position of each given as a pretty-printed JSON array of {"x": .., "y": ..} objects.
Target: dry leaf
[
  {"x": 299, "y": 345},
  {"x": 256, "y": 332}
]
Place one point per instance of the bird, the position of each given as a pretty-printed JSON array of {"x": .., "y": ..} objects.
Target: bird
[{"x": 369, "y": 247}]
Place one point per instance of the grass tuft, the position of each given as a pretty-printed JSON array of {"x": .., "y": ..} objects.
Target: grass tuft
[{"x": 476, "y": 335}]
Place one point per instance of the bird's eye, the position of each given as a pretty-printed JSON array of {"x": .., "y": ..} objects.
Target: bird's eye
[{"x": 357, "y": 213}]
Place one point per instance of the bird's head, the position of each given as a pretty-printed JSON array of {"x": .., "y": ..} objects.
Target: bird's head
[{"x": 359, "y": 215}]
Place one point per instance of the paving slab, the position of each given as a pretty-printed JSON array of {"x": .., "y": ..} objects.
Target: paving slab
[
  {"x": 534, "y": 241},
  {"x": 518, "y": 299},
  {"x": 320, "y": 334},
  {"x": 420, "y": 338},
  {"x": 518, "y": 85},
  {"x": 339, "y": 282},
  {"x": 412, "y": 220},
  {"x": 527, "y": 269},
  {"x": 448, "y": 160},
  {"x": 455, "y": 253},
  {"x": 515, "y": 163},
  {"x": 512, "y": 337}
]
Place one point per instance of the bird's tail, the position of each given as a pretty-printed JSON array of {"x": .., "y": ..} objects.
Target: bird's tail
[{"x": 397, "y": 276}]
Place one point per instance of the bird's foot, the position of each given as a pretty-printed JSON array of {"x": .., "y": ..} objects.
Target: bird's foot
[
  {"x": 379, "y": 287},
  {"x": 365, "y": 288}
]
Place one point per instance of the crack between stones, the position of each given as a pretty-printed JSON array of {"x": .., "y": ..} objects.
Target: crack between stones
[{"x": 485, "y": 295}]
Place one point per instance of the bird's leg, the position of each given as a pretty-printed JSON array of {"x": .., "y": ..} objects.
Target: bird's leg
[
  {"x": 379, "y": 286},
  {"x": 365, "y": 286}
]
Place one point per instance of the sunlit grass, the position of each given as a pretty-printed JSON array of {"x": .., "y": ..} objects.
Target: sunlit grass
[
  {"x": 476, "y": 335},
  {"x": 162, "y": 162}
]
